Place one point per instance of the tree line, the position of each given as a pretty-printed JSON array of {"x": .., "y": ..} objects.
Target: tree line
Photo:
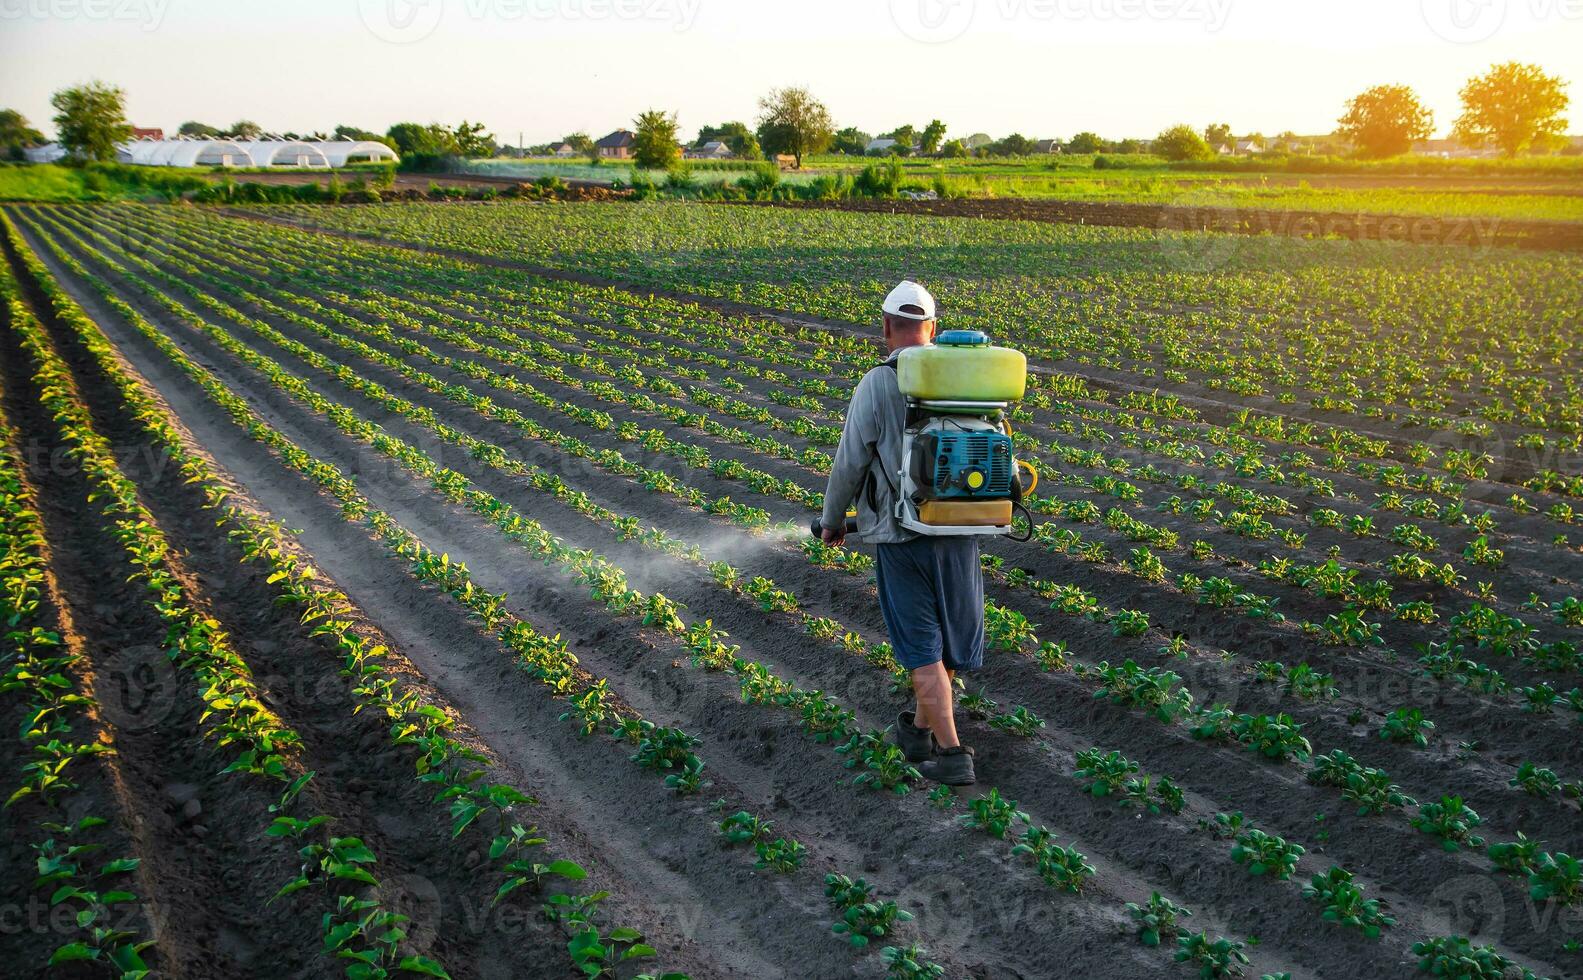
[
  {"x": 90, "y": 123},
  {"x": 1513, "y": 107}
]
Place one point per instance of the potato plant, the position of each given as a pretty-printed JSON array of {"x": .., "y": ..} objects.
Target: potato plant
[
  {"x": 1407, "y": 725},
  {"x": 992, "y": 814},
  {"x": 511, "y": 849},
  {"x": 780, "y": 855},
  {"x": 1213, "y": 958},
  {"x": 1451, "y": 821},
  {"x": 1277, "y": 737},
  {"x": 1157, "y": 919},
  {"x": 1535, "y": 780},
  {"x": 910, "y": 963},
  {"x": 1266, "y": 854},
  {"x": 1456, "y": 958},
  {"x": 1062, "y": 868},
  {"x": 1370, "y": 788},
  {"x": 1516, "y": 857},
  {"x": 1018, "y": 721},
  {"x": 863, "y": 917},
  {"x": 885, "y": 766},
  {"x": 1557, "y": 877},
  {"x": 1155, "y": 690},
  {"x": 1342, "y": 901}
]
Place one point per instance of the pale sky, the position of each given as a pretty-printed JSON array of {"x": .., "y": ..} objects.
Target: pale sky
[{"x": 1045, "y": 68}]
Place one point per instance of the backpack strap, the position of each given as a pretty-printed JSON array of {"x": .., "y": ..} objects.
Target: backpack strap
[{"x": 870, "y": 483}]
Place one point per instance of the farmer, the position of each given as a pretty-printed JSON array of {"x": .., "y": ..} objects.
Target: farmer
[{"x": 931, "y": 589}]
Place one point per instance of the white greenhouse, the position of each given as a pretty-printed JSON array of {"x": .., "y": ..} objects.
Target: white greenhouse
[
  {"x": 48, "y": 153},
  {"x": 187, "y": 152}
]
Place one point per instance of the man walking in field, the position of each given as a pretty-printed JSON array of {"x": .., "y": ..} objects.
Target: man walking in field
[{"x": 931, "y": 589}]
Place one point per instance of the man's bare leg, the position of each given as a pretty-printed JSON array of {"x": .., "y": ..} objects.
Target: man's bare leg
[
  {"x": 920, "y": 716},
  {"x": 932, "y": 684}
]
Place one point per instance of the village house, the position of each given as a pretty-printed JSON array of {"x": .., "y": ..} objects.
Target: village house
[
  {"x": 712, "y": 150},
  {"x": 617, "y": 146}
]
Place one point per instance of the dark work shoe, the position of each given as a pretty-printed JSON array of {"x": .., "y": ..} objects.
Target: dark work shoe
[
  {"x": 953, "y": 766},
  {"x": 917, "y": 744}
]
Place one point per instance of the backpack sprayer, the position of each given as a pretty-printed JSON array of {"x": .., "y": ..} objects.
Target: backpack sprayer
[{"x": 959, "y": 471}]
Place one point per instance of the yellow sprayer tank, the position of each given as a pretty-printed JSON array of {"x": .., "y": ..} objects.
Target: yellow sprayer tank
[{"x": 961, "y": 365}]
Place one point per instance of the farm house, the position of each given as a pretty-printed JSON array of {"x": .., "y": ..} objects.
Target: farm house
[{"x": 617, "y": 146}]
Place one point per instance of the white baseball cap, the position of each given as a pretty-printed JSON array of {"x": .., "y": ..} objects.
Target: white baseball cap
[{"x": 909, "y": 293}]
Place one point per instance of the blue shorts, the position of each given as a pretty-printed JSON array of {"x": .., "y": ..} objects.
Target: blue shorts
[{"x": 931, "y": 593}]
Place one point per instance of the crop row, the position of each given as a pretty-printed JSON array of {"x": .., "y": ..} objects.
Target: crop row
[{"x": 44, "y": 674}]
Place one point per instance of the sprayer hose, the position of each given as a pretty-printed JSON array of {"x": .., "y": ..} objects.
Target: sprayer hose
[
  {"x": 1005, "y": 424},
  {"x": 1029, "y": 515}
]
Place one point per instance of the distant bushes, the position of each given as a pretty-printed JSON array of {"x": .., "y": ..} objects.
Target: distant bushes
[
  {"x": 1408, "y": 164},
  {"x": 432, "y": 163},
  {"x": 74, "y": 181},
  {"x": 361, "y": 191},
  {"x": 764, "y": 182}
]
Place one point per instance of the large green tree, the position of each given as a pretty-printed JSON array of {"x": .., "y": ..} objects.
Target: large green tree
[
  {"x": 793, "y": 122},
  {"x": 929, "y": 139},
  {"x": 1015, "y": 145},
  {"x": 91, "y": 119},
  {"x": 16, "y": 135},
  {"x": 1085, "y": 142},
  {"x": 245, "y": 129},
  {"x": 735, "y": 135},
  {"x": 1385, "y": 120},
  {"x": 906, "y": 138},
  {"x": 1217, "y": 134},
  {"x": 417, "y": 139},
  {"x": 851, "y": 141},
  {"x": 359, "y": 133},
  {"x": 654, "y": 140},
  {"x": 1182, "y": 142},
  {"x": 197, "y": 129},
  {"x": 473, "y": 141},
  {"x": 1513, "y": 106}
]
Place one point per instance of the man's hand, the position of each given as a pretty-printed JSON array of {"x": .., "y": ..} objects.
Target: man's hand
[{"x": 834, "y": 537}]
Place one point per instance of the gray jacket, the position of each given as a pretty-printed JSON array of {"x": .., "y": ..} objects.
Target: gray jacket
[{"x": 870, "y": 450}]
